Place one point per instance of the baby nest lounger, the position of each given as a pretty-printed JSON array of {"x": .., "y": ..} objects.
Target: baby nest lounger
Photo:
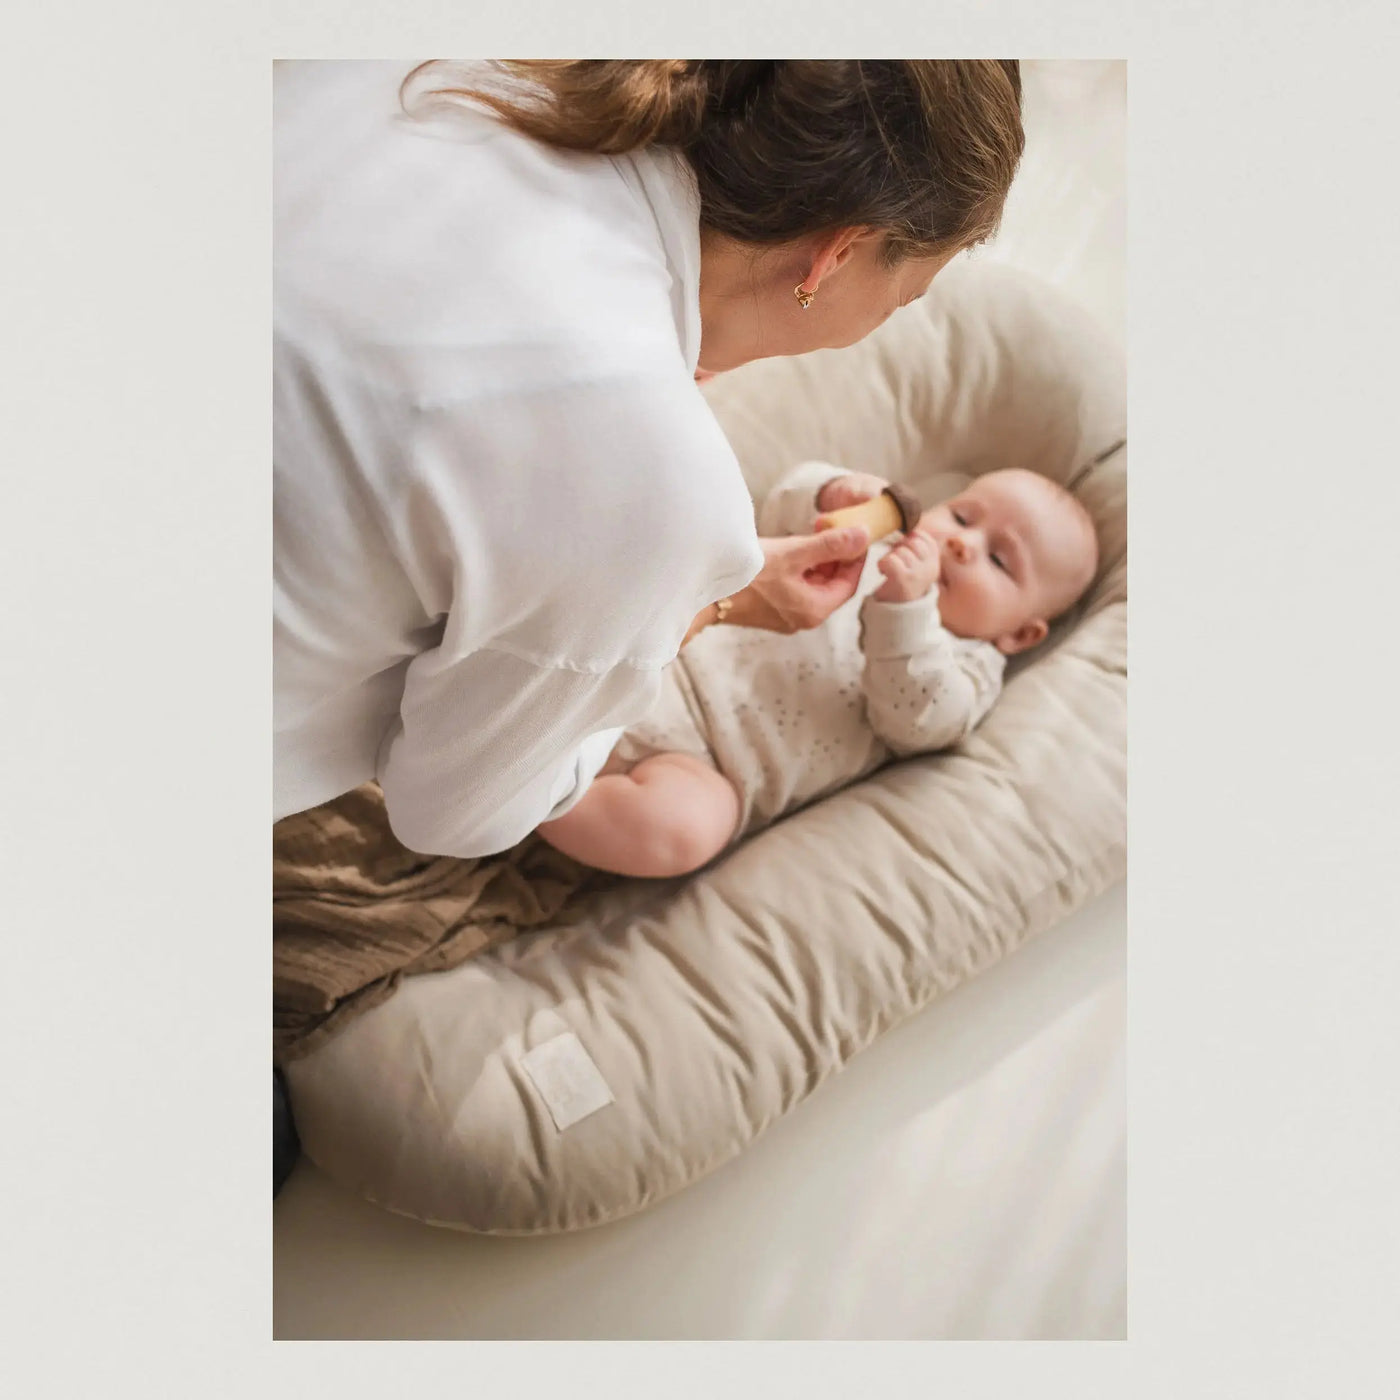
[{"x": 575, "y": 1075}]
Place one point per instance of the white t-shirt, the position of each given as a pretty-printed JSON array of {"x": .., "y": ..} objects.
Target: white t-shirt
[{"x": 499, "y": 497}]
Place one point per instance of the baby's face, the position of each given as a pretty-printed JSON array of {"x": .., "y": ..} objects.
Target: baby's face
[{"x": 1013, "y": 555}]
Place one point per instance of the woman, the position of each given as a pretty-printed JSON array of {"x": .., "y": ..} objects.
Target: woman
[{"x": 501, "y": 503}]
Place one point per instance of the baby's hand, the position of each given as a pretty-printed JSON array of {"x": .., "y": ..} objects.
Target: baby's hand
[
  {"x": 849, "y": 490},
  {"x": 911, "y": 569}
]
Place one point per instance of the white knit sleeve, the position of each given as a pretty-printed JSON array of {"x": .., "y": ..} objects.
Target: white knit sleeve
[
  {"x": 791, "y": 506},
  {"x": 924, "y": 688}
]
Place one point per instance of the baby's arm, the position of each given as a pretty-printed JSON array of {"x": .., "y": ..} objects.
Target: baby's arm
[
  {"x": 667, "y": 816},
  {"x": 924, "y": 690},
  {"x": 791, "y": 507}
]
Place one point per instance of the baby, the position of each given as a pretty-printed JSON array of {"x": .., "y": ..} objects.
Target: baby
[{"x": 751, "y": 724}]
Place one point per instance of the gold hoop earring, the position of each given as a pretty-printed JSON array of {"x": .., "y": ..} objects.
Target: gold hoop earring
[{"x": 804, "y": 297}]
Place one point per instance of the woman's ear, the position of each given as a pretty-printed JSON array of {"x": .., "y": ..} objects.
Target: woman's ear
[
  {"x": 832, "y": 251},
  {"x": 1027, "y": 635}
]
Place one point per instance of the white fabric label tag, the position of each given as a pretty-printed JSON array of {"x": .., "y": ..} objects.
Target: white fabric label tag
[{"x": 568, "y": 1080}]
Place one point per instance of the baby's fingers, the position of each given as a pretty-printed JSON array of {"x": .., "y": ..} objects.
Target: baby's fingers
[{"x": 850, "y": 496}]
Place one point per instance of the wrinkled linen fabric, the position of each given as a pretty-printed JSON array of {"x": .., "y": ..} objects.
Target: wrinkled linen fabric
[{"x": 354, "y": 911}]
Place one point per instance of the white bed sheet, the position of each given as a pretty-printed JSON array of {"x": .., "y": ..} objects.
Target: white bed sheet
[{"x": 963, "y": 1178}]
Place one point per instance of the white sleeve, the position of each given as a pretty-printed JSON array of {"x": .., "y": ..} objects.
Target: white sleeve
[
  {"x": 592, "y": 754},
  {"x": 594, "y": 524},
  {"x": 791, "y": 506},
  {"x": 486, "y": 750},
  {"x": 924, "y": 689}
]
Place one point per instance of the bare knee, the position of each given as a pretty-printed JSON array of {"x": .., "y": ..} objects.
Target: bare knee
[
  {"x": 698, "y": 820},
  {"x": 668, "y": 816}
]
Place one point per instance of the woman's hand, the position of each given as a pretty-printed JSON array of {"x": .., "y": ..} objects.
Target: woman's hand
[
  {"x": 804, "y": 579},
  {"x": 911, "y": 568},
  {"x": 849, "y": 490}
]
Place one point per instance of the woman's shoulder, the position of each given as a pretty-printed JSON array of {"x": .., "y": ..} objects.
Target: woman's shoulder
[{"x": 396, "y": 235}]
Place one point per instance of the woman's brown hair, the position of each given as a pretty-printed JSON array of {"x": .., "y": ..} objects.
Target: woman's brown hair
[{"x": 922, "y": 150}]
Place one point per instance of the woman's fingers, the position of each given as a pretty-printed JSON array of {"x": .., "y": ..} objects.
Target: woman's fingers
[
  {"x": 807, "y": 577},
  {"x": 825, "y": 589},
  {"x": 805, "y": 552}
]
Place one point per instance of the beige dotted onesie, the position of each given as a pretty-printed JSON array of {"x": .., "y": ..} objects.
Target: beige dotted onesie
[{"x": 789, "y": 719}]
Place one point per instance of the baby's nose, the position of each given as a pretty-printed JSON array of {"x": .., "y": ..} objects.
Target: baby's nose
[{"x": 958, "y": 548}]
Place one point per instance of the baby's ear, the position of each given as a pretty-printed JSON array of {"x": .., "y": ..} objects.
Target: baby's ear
[{"x": 1027, "y": 635}]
